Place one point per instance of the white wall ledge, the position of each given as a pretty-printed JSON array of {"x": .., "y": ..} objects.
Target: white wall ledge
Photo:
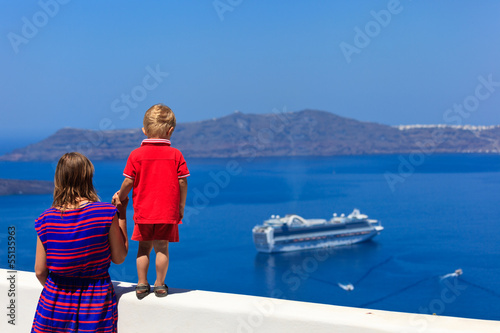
[{"x": 202, "y": 311}]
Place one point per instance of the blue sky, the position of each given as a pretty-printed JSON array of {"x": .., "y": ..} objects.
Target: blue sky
[{"x": 73, "y": 63}]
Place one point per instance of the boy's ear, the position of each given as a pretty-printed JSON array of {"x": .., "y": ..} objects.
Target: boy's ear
[
  {"x": 170, "y": 131},
  {"x": 144, "y": 131}
]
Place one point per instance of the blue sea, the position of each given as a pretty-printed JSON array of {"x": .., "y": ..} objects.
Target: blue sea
[{"x": 440, "y": 213}]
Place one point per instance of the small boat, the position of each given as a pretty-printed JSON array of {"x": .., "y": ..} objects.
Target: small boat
[{"x": 293, "y": 233}]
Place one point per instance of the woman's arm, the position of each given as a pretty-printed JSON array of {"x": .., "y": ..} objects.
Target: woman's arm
[
  {"x": 41, "y": 270},
  {"x": 118, "y": 239}
]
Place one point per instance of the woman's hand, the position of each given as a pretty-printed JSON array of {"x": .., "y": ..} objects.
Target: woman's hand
[
  {"x": 118, "y": 238},
  {"x": 120, "y": 205}
]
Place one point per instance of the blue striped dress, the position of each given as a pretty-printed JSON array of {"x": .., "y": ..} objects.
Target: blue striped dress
[{"x": 78, "y": 295}]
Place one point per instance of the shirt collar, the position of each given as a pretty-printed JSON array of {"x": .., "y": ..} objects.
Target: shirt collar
[{"x": 155, "y": 141}]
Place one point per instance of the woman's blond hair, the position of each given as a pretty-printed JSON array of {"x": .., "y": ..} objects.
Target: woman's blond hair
[
  {"x": 73, "y": 181},
  {"x": 158, "y": 120}
]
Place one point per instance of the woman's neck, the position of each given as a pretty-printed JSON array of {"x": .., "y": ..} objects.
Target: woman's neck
[{"x": 79, "y": 203}]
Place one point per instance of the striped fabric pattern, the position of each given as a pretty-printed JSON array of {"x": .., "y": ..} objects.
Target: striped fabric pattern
[{"x": 78, "y": 295}]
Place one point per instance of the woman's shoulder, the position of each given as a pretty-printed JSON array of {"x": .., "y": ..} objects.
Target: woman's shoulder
[
  {"x": 100, "y": 205},
  {"x": 49, "y": 215},
  {"x": 98, "y": 209},
  {"x": 102, "y": 208},
  {"x": 48, "y": 212}
]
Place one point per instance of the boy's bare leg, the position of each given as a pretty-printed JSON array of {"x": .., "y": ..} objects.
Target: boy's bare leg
[
  {"x": 161, "y": 250},
  {"x": 143, "y": 260}
]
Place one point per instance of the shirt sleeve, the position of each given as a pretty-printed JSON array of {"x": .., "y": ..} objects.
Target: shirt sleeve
[
  {"x": 40, "y": 230},
  {"x": 182, "y": 169},
  {"x": 129, "y": 171},
  {"x": 111, "y": 214}
]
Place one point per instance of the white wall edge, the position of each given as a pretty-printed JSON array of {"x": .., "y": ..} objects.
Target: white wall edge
[{"x": 203, "y": 311}]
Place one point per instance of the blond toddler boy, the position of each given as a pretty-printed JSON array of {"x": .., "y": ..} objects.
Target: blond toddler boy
[{"x": 157, "y": 173}]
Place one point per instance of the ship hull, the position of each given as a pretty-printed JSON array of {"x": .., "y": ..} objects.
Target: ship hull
[{"x": 267, "y": 243}]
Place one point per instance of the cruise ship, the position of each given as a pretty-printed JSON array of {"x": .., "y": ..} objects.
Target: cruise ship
[{"x": 293, "y": 233}]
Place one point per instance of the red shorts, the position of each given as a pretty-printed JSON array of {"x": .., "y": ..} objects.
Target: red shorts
[{"x": 149, "y": 232}]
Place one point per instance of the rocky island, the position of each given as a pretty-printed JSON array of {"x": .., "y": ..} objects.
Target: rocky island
[
  {"x": 302, "y": 133},
  {"x": 16, "y": 186}
]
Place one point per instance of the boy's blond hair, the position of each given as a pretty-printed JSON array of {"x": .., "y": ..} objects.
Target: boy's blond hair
[{"x": 158, "y": 120}]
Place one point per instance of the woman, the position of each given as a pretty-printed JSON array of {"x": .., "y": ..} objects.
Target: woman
[{"x": 78, "y": 237}]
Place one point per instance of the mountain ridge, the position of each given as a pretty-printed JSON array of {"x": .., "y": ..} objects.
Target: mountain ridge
[{"x": 301, "y": 133}]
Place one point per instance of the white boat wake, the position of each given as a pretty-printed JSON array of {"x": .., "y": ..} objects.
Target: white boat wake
[
  {"x": 457, "y": 272},
  {"x": 347, "y": 287}
]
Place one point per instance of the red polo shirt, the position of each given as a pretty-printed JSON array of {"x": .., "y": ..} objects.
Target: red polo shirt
[{"x": 155, "y": 168}]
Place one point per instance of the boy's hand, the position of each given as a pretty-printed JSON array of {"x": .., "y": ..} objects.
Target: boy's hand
[
  {"x": 120, "y": 205},
  {"x": 116, "y": 199},
  {"x": 117, "y": 203}
]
